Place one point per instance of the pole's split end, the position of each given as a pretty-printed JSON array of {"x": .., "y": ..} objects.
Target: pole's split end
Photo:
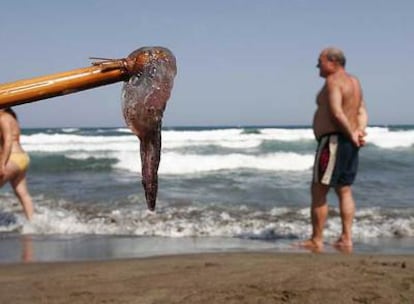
[{"x": 136, "y": 61}]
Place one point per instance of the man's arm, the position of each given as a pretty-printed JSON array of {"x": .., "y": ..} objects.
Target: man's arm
[
  {"x": 362, "y": 116},
  {"x": 362, "y": 122}
]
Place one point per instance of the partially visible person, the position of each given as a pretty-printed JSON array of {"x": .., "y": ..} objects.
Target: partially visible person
[
  {"x": 339, "y": 126},
  {"x": 14, "y": 161}
]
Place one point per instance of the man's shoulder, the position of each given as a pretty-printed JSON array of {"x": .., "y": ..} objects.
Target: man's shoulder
[
  {"x": 353, "y": 77},
  {"x": 341, "y": 79},
  {"x": 333, "y": 80}
]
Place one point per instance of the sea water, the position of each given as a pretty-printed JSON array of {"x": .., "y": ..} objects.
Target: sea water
[{"x": 247, "y": 187}]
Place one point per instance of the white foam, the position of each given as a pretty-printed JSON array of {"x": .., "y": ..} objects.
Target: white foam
[
  {"x": 70, "y": 142},
  {"x": 123, "y": 130},
  {"x": 176, "y": 163},
  {"x": 288, "y": 134},
  {"x": 233, "y": 138},
  {"x": 70, "y": 130},
  {"x": 195, "y": 221},
  {"x": 384, "y": 138}
]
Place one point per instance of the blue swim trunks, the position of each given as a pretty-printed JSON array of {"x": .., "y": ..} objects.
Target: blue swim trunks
[{"x": 336, "y": 161}]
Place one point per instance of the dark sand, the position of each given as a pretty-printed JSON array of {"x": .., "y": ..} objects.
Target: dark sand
[{"x": 215, "y": 278}]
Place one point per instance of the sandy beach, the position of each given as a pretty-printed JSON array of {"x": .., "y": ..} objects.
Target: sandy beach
[{"x": 215, "y": 278}]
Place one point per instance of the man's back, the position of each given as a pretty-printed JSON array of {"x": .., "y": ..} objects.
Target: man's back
[{"x": 351, "y": 96}]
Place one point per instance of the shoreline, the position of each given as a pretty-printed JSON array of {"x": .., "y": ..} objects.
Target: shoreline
[
  {"x": 17, "y": 248},
  {"x": 249, "y": 277}
]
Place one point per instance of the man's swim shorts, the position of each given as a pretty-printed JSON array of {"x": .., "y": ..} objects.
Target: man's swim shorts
[{"x": 336, "y": 161}]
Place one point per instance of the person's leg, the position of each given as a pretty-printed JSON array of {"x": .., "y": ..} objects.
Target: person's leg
[
  {"x": 347, "y": 211},
  {"x": 319, "y": 213},
  {"x": 10, "y": 172},
  {"x": 19, "y": 185}
]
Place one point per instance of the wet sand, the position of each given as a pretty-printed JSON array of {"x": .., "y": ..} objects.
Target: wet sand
[{"x": 215, "y": 278}]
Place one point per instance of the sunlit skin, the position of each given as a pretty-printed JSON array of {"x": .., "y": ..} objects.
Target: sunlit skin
[{"x": 145, "y": 97}]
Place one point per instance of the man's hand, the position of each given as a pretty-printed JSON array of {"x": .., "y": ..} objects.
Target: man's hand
[
  {"x": 358, "y": 138},
  {"x": 362, "y": 135}
]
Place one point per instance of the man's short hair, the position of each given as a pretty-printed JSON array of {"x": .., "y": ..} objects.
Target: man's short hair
[{"x": 334, "y": 54}]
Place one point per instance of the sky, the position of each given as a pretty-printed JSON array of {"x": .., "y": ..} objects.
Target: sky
[{"x": 239, "y": 62}]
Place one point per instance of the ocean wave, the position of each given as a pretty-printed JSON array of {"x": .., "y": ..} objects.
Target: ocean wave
[
  {"x": 123, "y": 130},
  {"x": 56, "y": 163},
  {"x": 69, "y": 142},
  {"x": 235, "y": 138},
  {"x": 191, "y": 221},
  {"x": 389, "y": 139},
  {"x": 194, "y": 151},
  {"x": 174, "y": 163},
  {"x": 70, "y": 130}
]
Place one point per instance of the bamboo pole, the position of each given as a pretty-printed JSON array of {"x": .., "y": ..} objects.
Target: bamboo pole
[{"x": 102, "y": 72}]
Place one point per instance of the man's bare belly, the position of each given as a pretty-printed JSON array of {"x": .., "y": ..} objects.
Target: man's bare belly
[{"x": 321, "y": 132}]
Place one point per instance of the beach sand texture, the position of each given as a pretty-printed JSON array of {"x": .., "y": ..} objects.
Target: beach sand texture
[{"x": 215, "y": 278}]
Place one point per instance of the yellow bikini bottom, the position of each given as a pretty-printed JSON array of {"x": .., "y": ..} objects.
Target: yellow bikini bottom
[{"x": 21, "y": 159}]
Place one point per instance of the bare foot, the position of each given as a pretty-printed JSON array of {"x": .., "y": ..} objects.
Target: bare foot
[
  {"x": 311, "y": 244},
  {"x": 343, "y": 246}
]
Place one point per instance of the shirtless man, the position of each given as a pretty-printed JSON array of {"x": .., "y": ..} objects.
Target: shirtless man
[
  {"x": 14, "y": 161},
  {"x": 339, "y": 126}
]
